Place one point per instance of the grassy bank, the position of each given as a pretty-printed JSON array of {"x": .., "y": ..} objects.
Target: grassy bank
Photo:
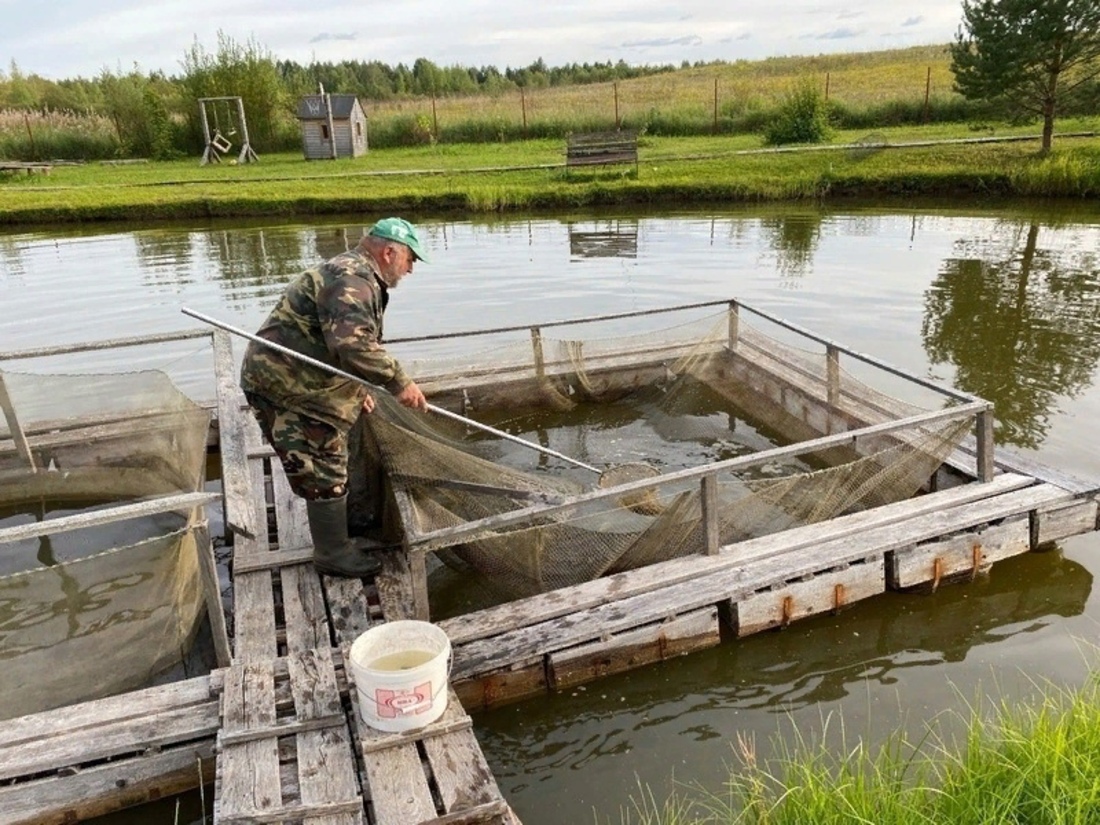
[
  {"x": 529, "y": 175},
  {"x": 1033, "y": 764}
]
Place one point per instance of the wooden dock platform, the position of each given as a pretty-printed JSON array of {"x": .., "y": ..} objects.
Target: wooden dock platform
[{"x": 292, "y": 745}]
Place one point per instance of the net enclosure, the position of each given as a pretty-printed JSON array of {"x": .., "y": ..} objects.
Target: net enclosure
[
  {"x": 89, "y": 611},
  {"x": 705, "y": 433}
]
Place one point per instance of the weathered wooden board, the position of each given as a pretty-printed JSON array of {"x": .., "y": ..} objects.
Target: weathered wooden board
[
  {"x": 735, "y": 582},
  {"x": 326, "y": 760},
  {"x": 654, "y": 643},
  {"x": 248, "y": 773},
  {"x": 1071, "y": 520},
  {"x": 548, "y": 606},
  {"x": 481, "y": 691},
  {"x": 105, "y": 788},
  {"x": 971, "y": 552},
  {"x": 236, "y": 480},
  {"x": 253, "y": 592},
  {"x": 825, "y": 592}
]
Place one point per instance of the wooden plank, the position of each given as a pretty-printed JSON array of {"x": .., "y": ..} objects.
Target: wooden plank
[
  {"x": 240, "y": 517},
  {"x": 123, "y": 737},
  {"x": 212, "y": 594},
  {"x": 489, "y": 622},
  {"x": 64, "y": 723},
  {"x": 654, "y": 643},
  {"x": 824, "y": 593},
  {"x": 395, "y": 591},
  {"x": 109, "y": 787},
  {"x": 398, "y": 790},
  {"x": 271, "y": 559},
  {"x": 16, "y": 430},
  {"x": 517, "y": 681},
  {"x": 733, "y": 582},
  {"x": 488, "y": 813},
  {"x": 253, "y": 593},
  {"x": 1072, "y": 520},
  {"x": 454, "y": 718},
  {"x": 969, "y": 553},
  {"x": 182, "y": 502},
  {"x": 248, "y": 772},
  {"x": 321, "y": 812},
  {"x": 326, "y": 763},
  {"x": 349, "y": 608}
]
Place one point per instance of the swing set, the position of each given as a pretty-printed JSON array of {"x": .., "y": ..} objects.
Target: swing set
[{"x": 218, "y": 142}]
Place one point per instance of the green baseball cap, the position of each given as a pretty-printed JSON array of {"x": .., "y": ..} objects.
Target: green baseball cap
[{"x": 400, "y": 230}]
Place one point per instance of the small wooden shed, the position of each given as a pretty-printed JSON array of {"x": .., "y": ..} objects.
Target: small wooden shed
[{"x": 333, "y": 126}]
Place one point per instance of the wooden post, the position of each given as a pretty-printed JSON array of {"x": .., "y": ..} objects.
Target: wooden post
[
  {"x": 708, "y": 500},
  {"x": 207, "y": 150},
  {"x": 208, "y": 572},
  {"x": 716, "y": 105},
  {"x": 826, "y": 87},
  {"x": 523, "y": 106},
  {"x": 536, "y": 345},
  {"x": 927, "y": 92},
  {"x": 832, "y": 374},
  {"x": 435, "y": 120},
  {"x": 734, "y": 324},
  {"x": 17, "y": 434},
  {"x": 985, "y": 445},
  {"x": 30, "y": 135},
  {"x": 331, "y": 125},
  {"x": 247, "y": 153},
  {"x": 618, "y": 123}
]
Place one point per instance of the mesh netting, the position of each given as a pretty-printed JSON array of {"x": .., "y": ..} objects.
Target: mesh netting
[
  {"x": 668, "y": 400},
  {"x": 90, "y": 612}
]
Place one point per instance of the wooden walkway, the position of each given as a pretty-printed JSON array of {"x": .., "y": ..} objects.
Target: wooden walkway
[{"x": 292, "y": 745}]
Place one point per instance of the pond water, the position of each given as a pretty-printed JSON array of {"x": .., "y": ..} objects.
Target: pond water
[{"x": 1001, "y": 302}]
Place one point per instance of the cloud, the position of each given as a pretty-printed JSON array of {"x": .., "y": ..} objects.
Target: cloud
[
  {"x": 848, "y": 15},
  {"x": 321, "y": 38},
  {"x": 913, "y": 21},
  {"x": 661, "y": 42},
  {"x": 838, "y": 34}
]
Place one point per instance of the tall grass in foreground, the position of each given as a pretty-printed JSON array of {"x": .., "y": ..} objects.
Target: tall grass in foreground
[{"x": 1034, "y": 764}]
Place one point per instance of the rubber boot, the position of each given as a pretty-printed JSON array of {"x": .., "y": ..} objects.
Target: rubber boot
[{"x": 333, "y": 552}]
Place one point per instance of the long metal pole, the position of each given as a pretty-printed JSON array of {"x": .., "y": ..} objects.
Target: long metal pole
[{"x": 431, "y": 407}]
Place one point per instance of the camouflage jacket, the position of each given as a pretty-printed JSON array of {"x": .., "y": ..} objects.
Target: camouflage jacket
[{"x": 332, "y": 313}]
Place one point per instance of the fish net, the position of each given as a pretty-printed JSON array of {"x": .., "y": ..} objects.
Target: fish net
[
  {"x": 669, "y": 399},
  {"x": 91, "y": 612}
]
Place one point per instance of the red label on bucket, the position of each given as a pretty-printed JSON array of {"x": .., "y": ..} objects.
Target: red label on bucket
[{"x": 393, "y": 703}]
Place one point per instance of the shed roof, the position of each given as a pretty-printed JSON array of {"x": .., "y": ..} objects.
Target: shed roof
[{"x": 312, "y": 107}]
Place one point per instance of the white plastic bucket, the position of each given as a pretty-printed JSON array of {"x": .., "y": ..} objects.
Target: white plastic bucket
[{"x": 400, "y": 671}]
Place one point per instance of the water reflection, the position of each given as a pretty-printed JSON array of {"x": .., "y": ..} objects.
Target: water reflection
[
  {"x": 716, "y": 693},
  {"x": 603, "y": 239},
  {"x": 794, "y": 240},
  {"x": 1018, "y": 314}
]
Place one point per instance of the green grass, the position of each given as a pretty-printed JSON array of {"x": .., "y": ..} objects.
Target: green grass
[
  {"x": 529, "y": 175},
  {"x": 1034, "y": 764}
]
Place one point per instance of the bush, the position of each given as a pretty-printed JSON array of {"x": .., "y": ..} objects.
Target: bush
[{"x": 803, "y": 117}]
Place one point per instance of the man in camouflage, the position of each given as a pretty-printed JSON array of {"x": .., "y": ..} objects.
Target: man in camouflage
[{"x": 332, "y": 313}]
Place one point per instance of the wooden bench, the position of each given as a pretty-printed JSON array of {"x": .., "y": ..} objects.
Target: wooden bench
[
  {"x": 600, "y": 148},
  {"x": 29, "y": 168}
]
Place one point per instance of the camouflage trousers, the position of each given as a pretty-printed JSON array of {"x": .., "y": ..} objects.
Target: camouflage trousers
[{"x": 313, "y": 454}]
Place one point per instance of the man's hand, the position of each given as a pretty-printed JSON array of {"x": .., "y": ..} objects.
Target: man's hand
[
  {"x": 412, "y": 397},
  {"x": 368, "y": 403}
]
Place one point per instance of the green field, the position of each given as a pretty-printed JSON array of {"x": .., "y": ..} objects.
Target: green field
[{"x": 530, "y": 175}]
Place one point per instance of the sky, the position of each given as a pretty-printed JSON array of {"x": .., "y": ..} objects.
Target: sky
[{"x": 61, "y": 39}]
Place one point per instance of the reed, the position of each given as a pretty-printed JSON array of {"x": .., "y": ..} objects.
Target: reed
[
  {"x": 46, "y": 135},
  {"x": 1036, "y": 763}
]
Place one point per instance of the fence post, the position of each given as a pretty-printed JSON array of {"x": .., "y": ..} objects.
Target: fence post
[
  {"x": 618, "y": 123},
  {"x": 826, "y": 87},
  {"x": 927, "y": 90},
  {"x": 832, "y": 374},
  {"x": 716, "y": 105},
  {"x": 30, "y": 134},
  {"x": 523, "y": 106},
  {"x": 435, "y": 119}
]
